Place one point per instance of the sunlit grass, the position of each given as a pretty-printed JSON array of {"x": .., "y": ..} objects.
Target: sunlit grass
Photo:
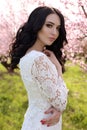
[
  {"x": 13, "y": 99},
  {"x": 75, "y": 116}
]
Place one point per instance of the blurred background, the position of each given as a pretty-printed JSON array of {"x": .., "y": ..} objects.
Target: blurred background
[{"x": 13, "y": 97}]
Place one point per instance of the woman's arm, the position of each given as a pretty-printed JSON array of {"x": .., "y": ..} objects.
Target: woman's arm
[
  {"x": 51, "y": 85},
  {"x": 54, "y": 118}
]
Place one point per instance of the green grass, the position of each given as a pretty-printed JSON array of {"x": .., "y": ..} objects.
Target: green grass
[
  {"x": 13, "y": 99},
  {"x": 75, "y": 116}
]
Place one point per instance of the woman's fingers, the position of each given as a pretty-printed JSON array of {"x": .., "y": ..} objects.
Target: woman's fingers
[
  {"x": 50, "y": 110},
  {"x": 47, "y": 52},
  {"x": 49, "y": 121},
  {"x": 53, "y": 119}
]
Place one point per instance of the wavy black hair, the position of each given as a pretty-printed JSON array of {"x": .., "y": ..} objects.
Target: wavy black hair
[{"x": 27, "y": 35}]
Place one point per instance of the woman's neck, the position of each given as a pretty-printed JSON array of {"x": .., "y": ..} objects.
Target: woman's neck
[{"x": 37, "y": 46}]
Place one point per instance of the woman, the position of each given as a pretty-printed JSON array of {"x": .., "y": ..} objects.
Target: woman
[{"x": 37, "y": 49}]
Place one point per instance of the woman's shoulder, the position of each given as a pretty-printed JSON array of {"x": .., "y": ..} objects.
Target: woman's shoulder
[
  {"x": 34, "y": 54},
  {"x": 31, "y": 56}
]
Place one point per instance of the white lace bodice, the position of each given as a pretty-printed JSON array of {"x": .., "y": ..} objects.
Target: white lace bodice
[{"x": 44, "y": 86}]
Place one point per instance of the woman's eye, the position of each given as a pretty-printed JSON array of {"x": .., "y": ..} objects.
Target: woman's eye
[
  {"x": 49, "y": 25},
  {"x": 58, "y": 28}
]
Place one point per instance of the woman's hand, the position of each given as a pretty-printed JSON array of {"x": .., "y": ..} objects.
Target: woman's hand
[
  {"x": 52, "y": 120},
  {"x": 54, "y": 60}
]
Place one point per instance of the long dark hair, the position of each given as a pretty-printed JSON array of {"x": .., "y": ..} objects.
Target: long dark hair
[{"x": 27, "y": 35}]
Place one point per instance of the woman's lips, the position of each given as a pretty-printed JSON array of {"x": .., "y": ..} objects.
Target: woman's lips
[{"x": 52, "y": 39}]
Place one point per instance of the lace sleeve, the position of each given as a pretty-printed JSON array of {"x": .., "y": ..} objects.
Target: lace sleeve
[{"x": 51, "y": 85}]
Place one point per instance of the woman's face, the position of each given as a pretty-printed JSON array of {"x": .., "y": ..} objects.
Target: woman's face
[{"x": 50, "y": 30}]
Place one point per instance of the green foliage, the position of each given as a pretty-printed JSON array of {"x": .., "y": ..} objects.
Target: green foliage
[{"x": 13, "y": 99}]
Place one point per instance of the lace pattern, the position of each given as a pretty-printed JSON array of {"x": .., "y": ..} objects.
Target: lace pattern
[{"x": 51, "y": 85}]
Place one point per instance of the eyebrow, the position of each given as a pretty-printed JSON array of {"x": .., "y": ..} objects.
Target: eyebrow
[{"x": 51, "y": 23}]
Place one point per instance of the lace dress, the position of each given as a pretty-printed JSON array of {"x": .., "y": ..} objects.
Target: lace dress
[{"x": 44, "y": 88}]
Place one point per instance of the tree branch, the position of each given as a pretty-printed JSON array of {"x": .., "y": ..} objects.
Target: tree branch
[{"x": 84, "y": 11}]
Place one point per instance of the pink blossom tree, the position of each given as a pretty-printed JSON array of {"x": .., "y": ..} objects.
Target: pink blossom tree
[{"x": 14, "y": 13}]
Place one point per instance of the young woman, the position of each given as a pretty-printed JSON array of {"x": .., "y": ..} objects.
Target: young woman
[{"x": 37, "y": 49}]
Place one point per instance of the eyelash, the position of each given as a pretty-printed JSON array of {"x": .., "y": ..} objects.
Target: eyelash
[
  {"x": 50, "y": 26},
  {"x": 58, "y": 28}
]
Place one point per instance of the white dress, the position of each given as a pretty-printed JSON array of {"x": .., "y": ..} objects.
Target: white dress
[{"x": 44, "y": 88}]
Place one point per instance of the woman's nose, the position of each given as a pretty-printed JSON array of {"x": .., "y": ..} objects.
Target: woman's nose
[{"x": 55, "y": 32}]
